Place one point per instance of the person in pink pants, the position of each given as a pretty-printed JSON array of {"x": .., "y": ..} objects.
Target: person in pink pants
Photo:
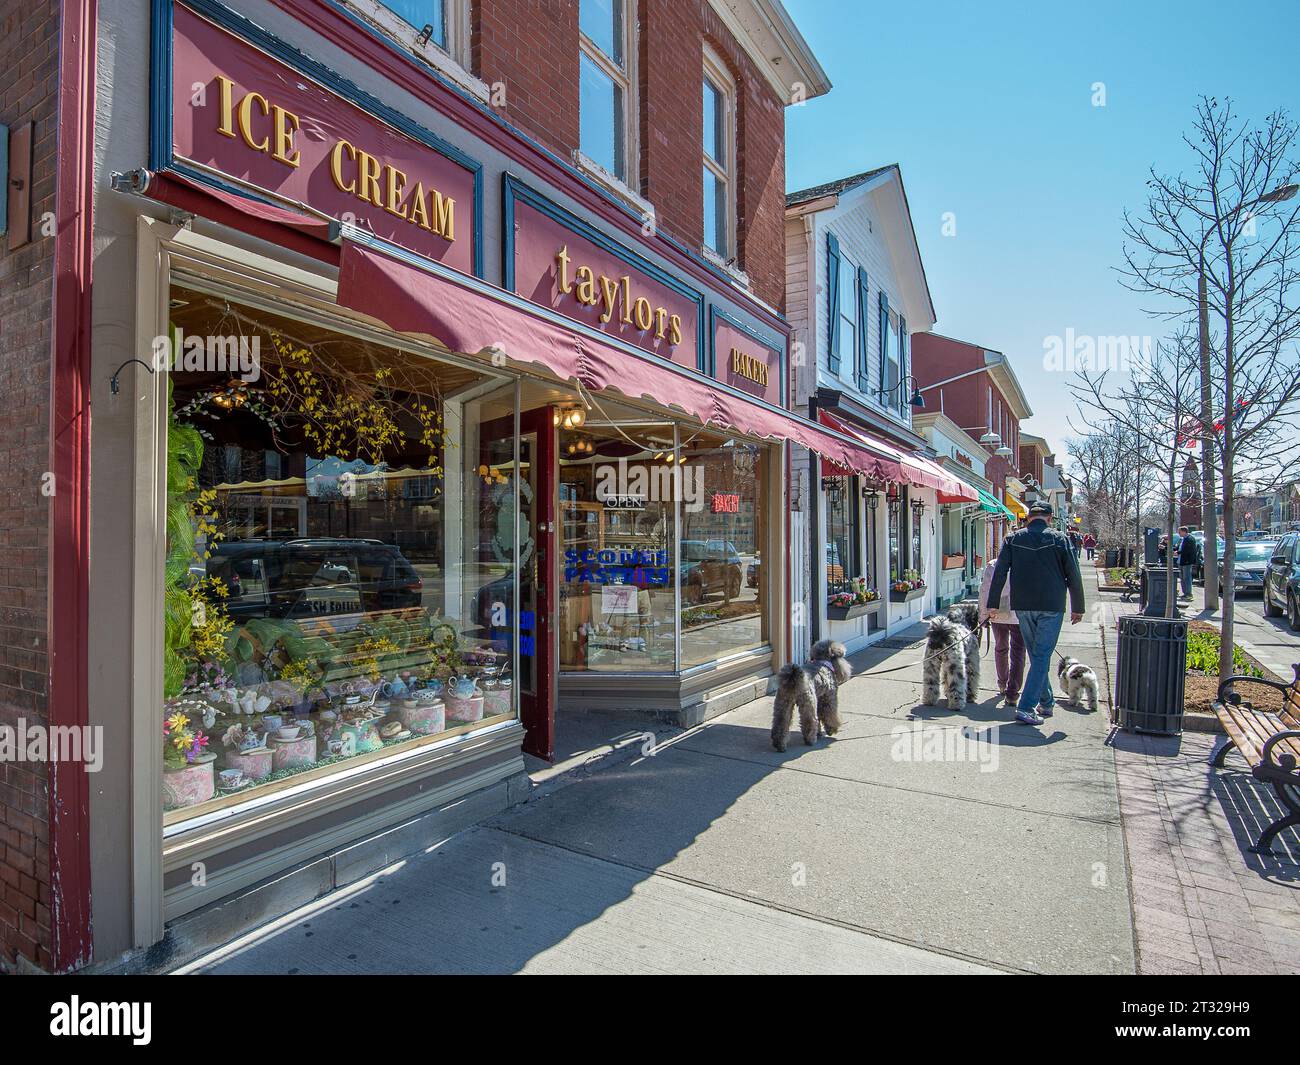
[{"x": 1008, "y": 645}]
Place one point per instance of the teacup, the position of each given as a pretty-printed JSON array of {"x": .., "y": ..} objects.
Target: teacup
[
  {"x": 272, "y": 721},
  {"x": 231, "y": 778},
  {"x": 288, "y": 732}
]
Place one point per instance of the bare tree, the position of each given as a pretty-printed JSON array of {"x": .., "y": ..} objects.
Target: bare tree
[
  {"x": 1221, "y": 246},
  {"x": 1151, "y": 406},
  {"x": 1106, "y": 472}
]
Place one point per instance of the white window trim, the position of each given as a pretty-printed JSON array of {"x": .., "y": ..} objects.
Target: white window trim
[
  {"x": 626, "y": 78},
  {"x": 716, "y": 72},
  {"x": 453, "y": 63}
]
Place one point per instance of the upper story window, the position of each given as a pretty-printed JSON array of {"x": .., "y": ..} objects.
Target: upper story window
[
  {"x": 848, "y": 310},
  {"x": 605, "y": 41},
  {"x": 719, "y": 158},
  {"x": 435, "y": 30}
]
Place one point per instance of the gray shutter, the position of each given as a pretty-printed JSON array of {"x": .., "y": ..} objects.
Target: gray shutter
[
  {"x": 833, "y": 302},
  {"x": 885, "y": 382},
  {"x": 904, "y": 357},
  {"x": 863, "y": 371}
]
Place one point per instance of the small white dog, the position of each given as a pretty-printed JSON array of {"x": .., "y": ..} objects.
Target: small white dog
[{"x": 1077, "y": 679}]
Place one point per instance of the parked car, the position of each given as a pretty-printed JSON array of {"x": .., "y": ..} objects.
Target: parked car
[
  {"x": 1248, "y": 562},
  {"x": 1282, "y": 581},
  {"x": 710, "y": 566},
  {"x": 313, "y": 577}
]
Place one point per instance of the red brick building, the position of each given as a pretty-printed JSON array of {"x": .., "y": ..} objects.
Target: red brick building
[
  {"x": 589, "y": 192},
  {"x": 977, "y": 388}
]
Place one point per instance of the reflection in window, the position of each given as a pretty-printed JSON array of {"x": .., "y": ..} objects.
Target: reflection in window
[
  {"x": 617, "y": 594},
  {"x": 335, "y": 582},
  {"x": 724, "y": 608},
  {"x": 421, "y": 13},
  {"x": 604, "y": 85},
  {"x": 841, "y": 532},
  {"x": 718, "y": 141}
]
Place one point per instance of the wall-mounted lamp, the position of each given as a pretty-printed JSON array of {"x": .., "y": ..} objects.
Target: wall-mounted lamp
[
  {"x": 917, "y": 400},
  {"x": 873, "y": 499}
]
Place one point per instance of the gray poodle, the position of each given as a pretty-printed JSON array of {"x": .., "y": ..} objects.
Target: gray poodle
[{"x": 814, "y": 689}]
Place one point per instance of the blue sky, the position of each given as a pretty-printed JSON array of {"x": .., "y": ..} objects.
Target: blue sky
[{"x": 988, "y": 109}]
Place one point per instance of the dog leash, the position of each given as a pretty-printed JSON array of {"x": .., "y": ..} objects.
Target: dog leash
[{"x": 925, "y": 658}]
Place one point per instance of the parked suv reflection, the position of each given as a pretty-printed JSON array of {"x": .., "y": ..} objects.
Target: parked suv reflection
[{"x": 311, "y": 578}]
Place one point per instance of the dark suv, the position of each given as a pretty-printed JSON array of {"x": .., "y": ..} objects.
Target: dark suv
[
  {"x": 312, "y": 578},
  {"x": 1282, "y": 581},
  {"x": 710, "y": 566}
]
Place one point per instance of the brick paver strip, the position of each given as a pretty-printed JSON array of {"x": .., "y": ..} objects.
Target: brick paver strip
[{"x": 1202, "y": 902}]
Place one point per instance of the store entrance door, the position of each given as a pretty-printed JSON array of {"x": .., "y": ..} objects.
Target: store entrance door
[{"x": 539, "y": 581}]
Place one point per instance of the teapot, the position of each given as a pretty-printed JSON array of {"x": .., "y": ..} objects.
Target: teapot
[{"x": 465, "y": 687}]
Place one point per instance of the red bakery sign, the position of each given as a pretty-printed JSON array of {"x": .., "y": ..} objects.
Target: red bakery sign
[{"x": 240, "y": 113}]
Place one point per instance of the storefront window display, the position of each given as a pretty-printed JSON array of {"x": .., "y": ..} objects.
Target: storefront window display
[
  {"x": 619, "y": 485},
  {"x": 340, "y": 571},
  {"x": 724, "y": 529}
]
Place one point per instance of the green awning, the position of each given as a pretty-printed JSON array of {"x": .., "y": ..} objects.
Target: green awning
[{"x": 989, "y": 503}]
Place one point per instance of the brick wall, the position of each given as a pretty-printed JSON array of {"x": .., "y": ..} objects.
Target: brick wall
[
  {"x": 29, "y": 58},
  {"x": 531, "y": 47}
]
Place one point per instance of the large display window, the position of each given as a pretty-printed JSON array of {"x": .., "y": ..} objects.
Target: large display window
[
  {"x": 664, "y": 533},
  {"x": 340, "y": 579}
]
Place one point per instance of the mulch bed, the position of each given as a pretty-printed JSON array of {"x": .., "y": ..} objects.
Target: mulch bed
[{"x": 1202, "y": 688}]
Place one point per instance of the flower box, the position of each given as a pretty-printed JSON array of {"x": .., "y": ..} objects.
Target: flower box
[
  {"x": 905, "y": 597},
  {"x": 853, "y": 610},
  {"x": 954, "y": 561}
]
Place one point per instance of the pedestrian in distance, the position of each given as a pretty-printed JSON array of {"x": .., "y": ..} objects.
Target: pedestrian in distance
[
  {"x": 1042, "y": 568},
  {"x": 1090, "y": 545},
  {"x": 1189, "y": 556}
]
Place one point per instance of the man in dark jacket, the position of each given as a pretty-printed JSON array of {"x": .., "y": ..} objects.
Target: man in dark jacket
[
  {"x": 1189, "y": 554},
  {"x": 1043, "y": 567}
]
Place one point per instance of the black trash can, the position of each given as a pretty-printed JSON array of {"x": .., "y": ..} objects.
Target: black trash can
[
  {"x": 1155, "y": 590},
  {"x": 1150, "y": 675},
  {"x": 1112, "y": 558}
]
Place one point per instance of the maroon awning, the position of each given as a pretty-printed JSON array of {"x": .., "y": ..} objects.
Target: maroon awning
[
  {"x": 465, "y": 316},
  {"x": 184, "y": 194},
  {"x": 907, "y": 468}
]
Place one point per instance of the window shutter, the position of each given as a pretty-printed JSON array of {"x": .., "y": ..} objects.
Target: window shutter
[
  {"x": 862, "y": 371},
  {"x": 833, "y": 302},
  {"x": 885, "y": 382},
  {"x": 904, "y": 357}
]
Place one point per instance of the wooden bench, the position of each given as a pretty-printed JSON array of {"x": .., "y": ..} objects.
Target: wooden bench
[{"x": 1269, "y": 742}]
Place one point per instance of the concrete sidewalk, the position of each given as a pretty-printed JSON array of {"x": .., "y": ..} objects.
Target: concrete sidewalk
[{"x": 918, "y": 840}]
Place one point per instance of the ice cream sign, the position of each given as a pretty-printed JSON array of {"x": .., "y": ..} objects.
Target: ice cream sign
[{"x": 237, "y": 113}]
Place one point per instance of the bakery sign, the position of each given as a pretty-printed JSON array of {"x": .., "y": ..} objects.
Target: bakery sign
[
  {"x": 238, "y": 113},
  {"x": 746, "y": 361}
]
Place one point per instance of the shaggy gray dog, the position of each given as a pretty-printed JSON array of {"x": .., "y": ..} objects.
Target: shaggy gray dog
[
  {"x": 1078, "y": 679},
  {"x": 814, "y": 689},
  {"x": 952, "y": 657}
]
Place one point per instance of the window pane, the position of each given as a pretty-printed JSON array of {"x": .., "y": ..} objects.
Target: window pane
[
  {"x": 602, "y": 21},
  {"x": 601, "y": 118},
  {"x": 421, "y": 13},
  {"x": 724, "y": 607},
  {"x": 715, "y": 123},
  {"x": 841, "y": 534},
  {"x": 337, "y": 582},
  {"x": 715, "y": 212},
  {"x": 618, "y": 597}
]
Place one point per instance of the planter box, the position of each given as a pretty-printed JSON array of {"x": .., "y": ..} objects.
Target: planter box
[
  {"x": 906, "y": 597},
  {"x": 189, "y": 786},
  {"x": 855, "y": 610},
  {"x": 254, "y": 764},
  {"x": 954, "y": 561},
  {"x": 293, "y": 754}
]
